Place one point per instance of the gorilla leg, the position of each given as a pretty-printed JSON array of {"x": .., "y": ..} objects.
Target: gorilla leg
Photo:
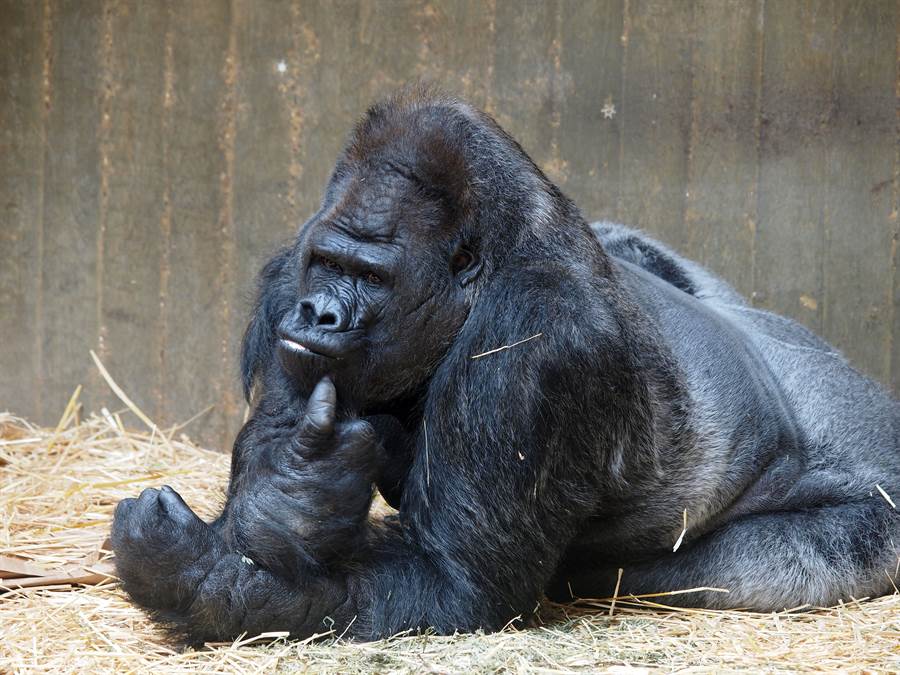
[{"x": 767, "y": 562}]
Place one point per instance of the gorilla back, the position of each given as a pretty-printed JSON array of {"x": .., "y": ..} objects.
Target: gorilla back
[{"x": 541, "y": 400}]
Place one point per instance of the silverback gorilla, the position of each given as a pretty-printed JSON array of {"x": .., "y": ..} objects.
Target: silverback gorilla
[{"x": 539, "y": 398}]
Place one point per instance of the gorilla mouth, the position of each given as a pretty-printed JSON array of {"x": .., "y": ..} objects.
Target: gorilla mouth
[
  {"x": 326, "y": 349},
  {"x": 297, "y": 348}
]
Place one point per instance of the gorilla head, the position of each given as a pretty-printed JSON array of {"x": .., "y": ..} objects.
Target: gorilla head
[{"x": 383, "y": 276}]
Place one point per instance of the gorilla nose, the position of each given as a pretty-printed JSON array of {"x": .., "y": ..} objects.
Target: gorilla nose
[{"x": 323, "y": 313}]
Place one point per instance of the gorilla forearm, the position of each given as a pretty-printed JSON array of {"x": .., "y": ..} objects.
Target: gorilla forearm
[
  {"x": 237, "y": 596},
  {"x": 392, "y": 587},
  {"x": 431, "y": 569}
]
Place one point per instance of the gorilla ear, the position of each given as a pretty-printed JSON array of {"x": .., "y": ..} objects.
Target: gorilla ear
[{"x": 465, "y": 264}]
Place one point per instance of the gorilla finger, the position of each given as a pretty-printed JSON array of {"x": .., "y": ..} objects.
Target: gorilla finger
[
  {"x": 147, "y": 496},
  {"x": 147, "y": 508},
  {"x": 175, "y": 507},
  {"x": 123, "y": 508},
  {"x": 122, "y": 527},
  {"x": 318, "y": 420}
]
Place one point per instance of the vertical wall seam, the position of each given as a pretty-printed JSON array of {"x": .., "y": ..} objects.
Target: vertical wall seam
[
  {"x": 693, "y": 104},
  {"x": 623, "y": 113},
  {"x": 46, "y": 95},
  {"x": 760, "y": 126},
  {"x": 289, "y": 87},
  {"x": 107, "y": 93},
  {"x": 828, "y": 128},
  {"x": 489, "y": 85},
  {"x": 165, "y": 221},
  {"x": 556, "y": 96},
  {"x": 228, "y": 126}
]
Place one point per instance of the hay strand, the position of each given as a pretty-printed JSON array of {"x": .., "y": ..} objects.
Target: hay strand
[
  {"x": 505, "y": 347},
  {"x": 117, "y": 390},
  {"x": 886, "y": 496}
]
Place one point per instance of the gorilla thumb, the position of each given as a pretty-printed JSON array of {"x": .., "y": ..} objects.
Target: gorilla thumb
[{"x": 318, "y": 421}]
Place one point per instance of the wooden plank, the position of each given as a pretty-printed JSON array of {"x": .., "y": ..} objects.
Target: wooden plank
[
  {"x": 273, "y": 63},
  {"x": 71, "y": 204},
  {"x": 456, "y": 47},
  {"x": 720, "y": 200},
  {"x": 527, "y": 79},
  {"x": 337, "y": 81},
  {"x": 195, "y": 168},
  {"x": 132, "y": 198},
  {"x": 656, "y": 116},
  {"x": 857, "y": 280},
  {"x": 796, "y": 111},
  {"x": 390, "y": 29},
  {"x": 21, "y": 193},
  {"x": 590, "y": 130},
  {"x": 893, "y": 348},
  {"x": 331, "y": 101}
]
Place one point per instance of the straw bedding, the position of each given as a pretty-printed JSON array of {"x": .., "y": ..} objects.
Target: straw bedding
[{"x": 64, "y": 613}]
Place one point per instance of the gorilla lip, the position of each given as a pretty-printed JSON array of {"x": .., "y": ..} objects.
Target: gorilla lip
[
  {"x": 293, "y": 345},
  {"x": 297, "y": 348}
]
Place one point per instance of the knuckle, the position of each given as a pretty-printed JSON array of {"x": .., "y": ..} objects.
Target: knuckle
[
  {"x": 123, "y": 507},
  {"x": 315, "y": 428},
  {"x": 302, "y": 447},
  {"x": 360, "y": 432},
  {"x": 147, "y": 493}
]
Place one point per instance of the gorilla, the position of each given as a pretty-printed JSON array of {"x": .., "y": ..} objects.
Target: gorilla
[{"x": 543, "y": 401}]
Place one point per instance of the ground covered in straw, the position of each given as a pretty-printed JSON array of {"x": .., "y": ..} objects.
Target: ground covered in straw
[{"x": 58, "y": 488}]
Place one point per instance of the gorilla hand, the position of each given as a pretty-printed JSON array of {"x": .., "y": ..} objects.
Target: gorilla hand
[
  {"x": 163, "y": 550},
  {"x": 308, "y": 504}
]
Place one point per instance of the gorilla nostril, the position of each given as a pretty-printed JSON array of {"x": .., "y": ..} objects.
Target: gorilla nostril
[
  {"x": 308, "y": 312},
  {"x": 327, "y": 319}
]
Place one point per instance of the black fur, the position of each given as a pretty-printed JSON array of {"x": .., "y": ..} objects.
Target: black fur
[{"x": 541, "y": 412}]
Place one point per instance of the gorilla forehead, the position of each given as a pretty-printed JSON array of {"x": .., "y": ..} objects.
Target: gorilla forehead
[{"x": 383, "y": 202}]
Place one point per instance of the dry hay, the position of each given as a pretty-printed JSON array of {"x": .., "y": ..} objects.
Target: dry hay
[{"x": 57, "y": 492}]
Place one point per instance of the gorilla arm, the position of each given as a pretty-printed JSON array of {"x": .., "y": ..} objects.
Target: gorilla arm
[{"x": 496, "y": 490}]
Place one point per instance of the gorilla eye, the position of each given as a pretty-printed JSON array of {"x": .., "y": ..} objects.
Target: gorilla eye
[
  {"x": 461, "y": 260},
  {"x": 373, "y": 278},
  {"x": 329, "y": 264}
]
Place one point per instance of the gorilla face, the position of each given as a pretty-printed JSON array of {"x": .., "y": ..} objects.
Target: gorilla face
[{"x": 380, "y": 293}]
